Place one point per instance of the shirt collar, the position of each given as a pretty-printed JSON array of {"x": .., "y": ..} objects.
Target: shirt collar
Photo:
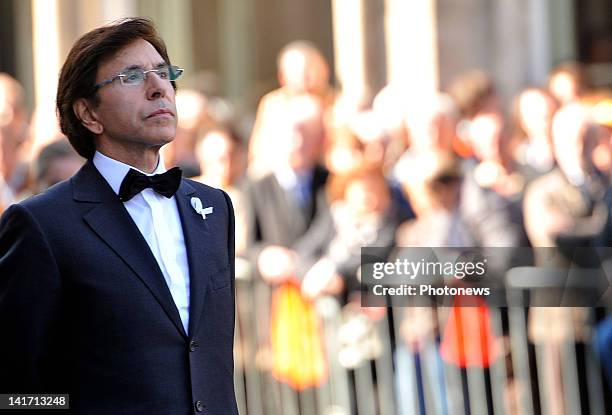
[
  {"x": 114, "y": 171},
  {"x": 289, "y": 178}
]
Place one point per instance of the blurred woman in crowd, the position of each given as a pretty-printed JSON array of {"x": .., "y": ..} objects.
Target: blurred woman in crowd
[
  {"x": 532, "y": 142},
  {"x": 568, "y": 82},
  {"x": 222, "y": 161},
  {"x": 434, "y": 192},
  {"x": 494, "y": 169},
  {"x": 361, "y": 214},
  {"x": 472, "y": 92}
]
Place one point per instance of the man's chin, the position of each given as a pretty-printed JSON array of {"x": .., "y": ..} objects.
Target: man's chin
[
  {"x": 163, "y": 137},
  {"x": 162, "y": 142}
]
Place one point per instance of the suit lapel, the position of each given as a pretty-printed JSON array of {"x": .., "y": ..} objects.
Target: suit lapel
[
  {"x": 112, "y": 223},
  {"x": 290, "y": 217},
  {"x": 197, "y": 237}
]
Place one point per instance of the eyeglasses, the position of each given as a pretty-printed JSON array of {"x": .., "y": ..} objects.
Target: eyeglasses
[{"x": 137, "y": 76}]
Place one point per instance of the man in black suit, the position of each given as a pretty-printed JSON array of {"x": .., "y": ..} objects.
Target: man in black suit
[
  {"x": 284, "y": 204},
  {"x": 286, "y": 201},
  {"x": 117, "y": 286}
]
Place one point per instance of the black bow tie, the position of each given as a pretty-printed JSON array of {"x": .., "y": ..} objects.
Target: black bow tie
[{"x": 165, "y": 184}]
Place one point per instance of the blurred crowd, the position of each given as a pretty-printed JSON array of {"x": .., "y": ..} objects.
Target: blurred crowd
[{"x": 319, "y": 174}]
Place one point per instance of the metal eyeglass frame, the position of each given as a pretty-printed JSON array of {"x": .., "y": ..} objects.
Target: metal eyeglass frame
[{"x": 174, "y": 73}]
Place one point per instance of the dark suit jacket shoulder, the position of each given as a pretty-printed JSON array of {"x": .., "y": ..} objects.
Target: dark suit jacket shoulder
[
  {"x": 89, "y": 312},
  {"x": 277, "y": 219}
]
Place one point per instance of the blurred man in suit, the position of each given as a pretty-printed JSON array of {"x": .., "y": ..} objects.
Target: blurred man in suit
[
  {"x": 286, "y": 201},
  {"x": 117, "y": 286}
]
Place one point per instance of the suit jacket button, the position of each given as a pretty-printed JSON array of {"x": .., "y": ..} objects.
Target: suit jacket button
[
  {"x": 199, "y": 406},
  {"x": 193, "y": 345}
]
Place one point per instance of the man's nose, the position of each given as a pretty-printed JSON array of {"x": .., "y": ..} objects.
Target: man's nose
[{"x": 156, "y": 86}]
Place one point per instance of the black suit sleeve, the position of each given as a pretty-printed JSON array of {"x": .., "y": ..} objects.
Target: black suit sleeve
[{"x": 30, "y": 291}]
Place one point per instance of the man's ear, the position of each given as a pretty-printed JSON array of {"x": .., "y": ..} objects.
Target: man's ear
[{"x": 85, "y": 112}]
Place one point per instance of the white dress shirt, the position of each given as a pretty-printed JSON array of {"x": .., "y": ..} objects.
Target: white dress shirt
[
  {"x": 296, "y": 184},
  {"x": 158, "y": 219}
]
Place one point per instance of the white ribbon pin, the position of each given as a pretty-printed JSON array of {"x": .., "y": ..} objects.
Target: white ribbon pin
[{"x": 196, "y": 204}]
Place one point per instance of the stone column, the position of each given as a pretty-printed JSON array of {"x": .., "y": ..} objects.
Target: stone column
[
  {"x": 539, "y": 41},
  {"x": 349, "y": 47},
  {"x": 46, "y": 53},
  {"x": 512, "y": 40},
  {"x": 78, "y": 17},
  {"x": 465, "y": 36},
  {"x": 374, "y": 47},
  {"x": 509, "y": 52},
  {"x": 25, "y": 52},
  {"x": 412, "y": 48},
  {"x": 562, "y": 31},
  {"x": 237, "y": 47},
  {"x": 173, "y": 20}
]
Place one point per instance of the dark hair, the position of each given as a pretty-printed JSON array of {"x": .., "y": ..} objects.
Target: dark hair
[
  {"x": 575, "y": 70},
  {"x": 516, "y": 129},
  {"x": 78, "y": 75},
  {"x": 54, "y": 151},
  {"x": 337, "y": 184},
  {"x": 227, "y": 128},
  {"x": 471, "y": 91},
  {"x": 305, "y": 47}
]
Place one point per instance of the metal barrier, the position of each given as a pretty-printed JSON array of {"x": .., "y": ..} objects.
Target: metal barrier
[{"x": 538, "y": 367}]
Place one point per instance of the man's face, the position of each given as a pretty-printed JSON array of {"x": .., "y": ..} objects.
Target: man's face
[
  {"x": 293, "y": 71},
  {"x": 486, "y": 136},
  {"x": 304, "y": 72},
  {"x": 216, "y": 152},
  {"x": 564, "y": 87},
  {"x": 136, "y": 116},
  {"x": 304, "y": 143},
  {"x": 301, "y": 133},
  {"x": 536, "y": 111}
]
